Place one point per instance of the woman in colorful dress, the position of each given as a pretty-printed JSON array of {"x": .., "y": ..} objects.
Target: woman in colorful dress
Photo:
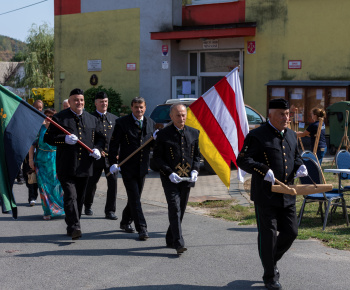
[{"x": 44, "y": 162}]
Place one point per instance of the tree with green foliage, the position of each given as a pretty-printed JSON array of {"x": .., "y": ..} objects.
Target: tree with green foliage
[
  {"x": 39, "y": 62},
  {"x": 115, "y": 104},
  {"x": 9, "y": 47},
  {"x": 19, "y": 57}
]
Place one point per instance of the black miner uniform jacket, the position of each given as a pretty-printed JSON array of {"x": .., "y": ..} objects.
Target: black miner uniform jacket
[
  {"x": 107, "y": 127},
  {"x": 74, "y": 160},
  {"x": 264, "y": 148},
  {"x": 174, "y": 150},
  {"x": 126, "y": 138}
]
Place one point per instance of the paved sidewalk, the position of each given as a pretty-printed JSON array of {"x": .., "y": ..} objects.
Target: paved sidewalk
[{"x": 208, "y": 187}]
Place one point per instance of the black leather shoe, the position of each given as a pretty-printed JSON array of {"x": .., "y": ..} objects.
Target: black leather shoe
[
  {"x": 88, "y": 211},
  {"x": 143, "y": 235},
  {"x": 76, "y": 234},
  {"x": 180, "y": 250},
  {"x": 111, "y": 216},
  {"x": 273, "y": 285},
  {"x": 127, "y": 228}
]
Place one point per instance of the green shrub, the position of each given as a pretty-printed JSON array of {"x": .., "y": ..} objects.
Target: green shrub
[{"x": 115, "y": 104}]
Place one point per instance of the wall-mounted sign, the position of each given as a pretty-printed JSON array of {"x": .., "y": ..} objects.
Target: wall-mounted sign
[
  {"x": 131, "y": 66},
  {"x": 94, "y": 65},
  {"x": 165, "y": 64},
  {"x": 210, "y": 43},
  {"x": 165, "y": 50},
  {"x": 294, "y": 64},
  {"x": 251, "y": 47}
]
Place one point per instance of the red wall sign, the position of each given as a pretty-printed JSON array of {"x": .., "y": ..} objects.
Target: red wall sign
[
  {"x": 251, "y": 47},
  {"x": 294, "y": 64},
  {"x": 165, "y": 50},
  {"x": 131, "y": 66}
]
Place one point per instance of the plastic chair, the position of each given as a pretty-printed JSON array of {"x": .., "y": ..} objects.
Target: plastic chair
[
  {"x": 309, "y": 154},
  {"x": 342, "y": 160},
  {"x": 327, "y": 199}
]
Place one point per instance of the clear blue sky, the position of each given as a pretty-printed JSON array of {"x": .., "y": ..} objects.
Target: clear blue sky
[{"x": 17, "y": 23}]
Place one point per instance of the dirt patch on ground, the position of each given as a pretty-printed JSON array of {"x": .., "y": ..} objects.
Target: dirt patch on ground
[{"x": 199, "y": 210}]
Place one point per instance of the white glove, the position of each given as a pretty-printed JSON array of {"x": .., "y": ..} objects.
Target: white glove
[
  {"x": 301, "y": 172},
  {"x": 155, "y": 134},
  {"x": 175, "y": 178},
  {"x": 194, "y": 175},
  {"x": 71, "y": 139},
  {"x": 270, "y": 177},
  {"x": 96, "y": 154},
  {"x": 114, "y": 168}
]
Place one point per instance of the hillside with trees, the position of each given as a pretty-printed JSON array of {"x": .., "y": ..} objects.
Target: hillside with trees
[{"x": 10, "y": 47}]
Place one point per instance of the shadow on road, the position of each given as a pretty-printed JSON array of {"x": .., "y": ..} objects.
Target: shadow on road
[
  {"x": 247, "y": 230},
  {"x": 237, "y": 285}
]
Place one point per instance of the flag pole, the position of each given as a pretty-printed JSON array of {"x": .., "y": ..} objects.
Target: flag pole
[
  {"x": 55, "y": 124},
  {"x": 137, "y": 150},
  {"x": 132, "y": 154}
]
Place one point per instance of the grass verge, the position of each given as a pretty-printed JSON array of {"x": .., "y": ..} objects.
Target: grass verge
[
  {"x": 336, "y": 234},
  {"x": 228, "y": 210}
]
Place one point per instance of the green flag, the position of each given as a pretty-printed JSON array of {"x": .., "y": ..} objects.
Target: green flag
[{"x": 20, "y": 123}]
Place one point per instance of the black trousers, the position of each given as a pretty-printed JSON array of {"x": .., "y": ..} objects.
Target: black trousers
[
  {"x": 99, "y": 166},
  {"x": 133, "y": 209},
  {"x": 177, "y": 198},
  {"x": 271, "y": 219},
  {"x": 20, "y": 175},
  {"x": 33, "y": 190},
  {"x": 73, "y": 198}
]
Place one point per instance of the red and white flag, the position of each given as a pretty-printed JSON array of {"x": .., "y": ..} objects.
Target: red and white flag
[{"x": 221, "y": 118}]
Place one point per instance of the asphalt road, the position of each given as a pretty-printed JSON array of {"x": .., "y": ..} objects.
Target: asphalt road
[{"x": 36, "y": 254}]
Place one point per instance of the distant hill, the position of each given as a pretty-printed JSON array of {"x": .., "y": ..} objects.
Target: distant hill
[{"x": 9, "y": 47}]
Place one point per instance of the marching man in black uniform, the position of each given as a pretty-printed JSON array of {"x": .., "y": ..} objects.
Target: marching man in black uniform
[
  {"x": 177, "y": 155},
  {"x": 131, "y": 132},
  {"x": 107, "y": 121},
  {"x": 269, "y": 152},
  {"x": 73, "y": 162}
]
